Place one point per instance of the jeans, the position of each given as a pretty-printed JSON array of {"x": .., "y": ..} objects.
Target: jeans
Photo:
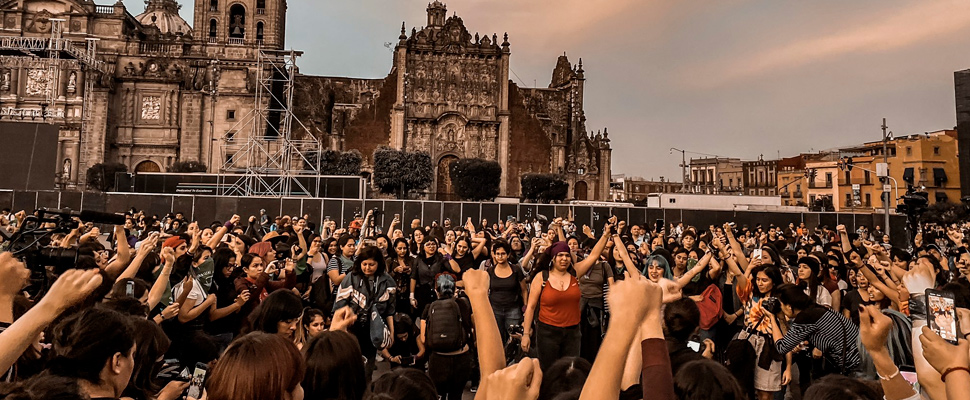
[
  {"x": 506, "y": 317},
  {"x": 553, "y": 343},
  {"x": 450, "y": 373}
]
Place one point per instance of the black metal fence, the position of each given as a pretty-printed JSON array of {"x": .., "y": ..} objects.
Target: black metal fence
[{"x": 218, "y": 208}]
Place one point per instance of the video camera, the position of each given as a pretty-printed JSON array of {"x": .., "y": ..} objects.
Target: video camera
[{"x": 31, "y": 243}]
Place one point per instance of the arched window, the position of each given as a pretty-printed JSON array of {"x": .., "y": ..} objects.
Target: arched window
[
  {"x": 260, "y": 3},
  {"x": 259, "y": 31},
  {"x": 212, "y": 28},
  {"x": 237, "y": 21},
  {"x": 213, "y": 5}
]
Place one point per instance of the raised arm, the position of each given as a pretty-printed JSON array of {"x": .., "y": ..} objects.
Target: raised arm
[
  {"x": 143, "y": 251},
  {"x": 123, "y": 256},
  {"x": 529, "y": 255},
  {"x": 630, "y": 299},
  {"x": 479, "y": 244},
  {"x": 736, "y": 247},
  {"x": 624, "y": 254},
  {"x": 161, "y": 283},
  {"x": 491, "y": 352},
  {"x": 684, "y": 280},
  {"x": 594, "y": 255},
  {"x": 216, "y": 313},
  {"x": 70, "y": 288}
]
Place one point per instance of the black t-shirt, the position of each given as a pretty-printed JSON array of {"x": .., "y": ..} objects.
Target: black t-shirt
[
  {"x": 464, "y": 264},
  {"x": 424, "y": 271},
  {"x": 851, "y": 302},
  {"x": 505, "y": 292}
]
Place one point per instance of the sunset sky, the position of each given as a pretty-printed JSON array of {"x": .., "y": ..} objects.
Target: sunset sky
[{"x": 737, "y": 78}]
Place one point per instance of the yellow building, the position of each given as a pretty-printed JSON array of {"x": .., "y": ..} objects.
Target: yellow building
[{"x": 923, "y": 160}]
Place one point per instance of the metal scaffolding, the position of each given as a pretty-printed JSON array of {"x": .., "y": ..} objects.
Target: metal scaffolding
[
  {"x": 261, "y": 149},
  {"x": 53, "y": 53}
]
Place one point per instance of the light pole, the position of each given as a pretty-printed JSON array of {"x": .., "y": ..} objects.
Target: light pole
[
  {"x": 683, "y": 168},
  {"x": 885, "y": 158}
]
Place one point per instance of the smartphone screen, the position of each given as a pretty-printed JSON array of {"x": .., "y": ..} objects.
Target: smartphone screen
[
  {"x": 756, "y": 253},
  {"x": 694, "y": 346},
  {"x": 130, "y": 288},
  {"x": 941, "y": 314},
  {"x": 198, "y": 381},
  {"x": 659, "y": 225}
]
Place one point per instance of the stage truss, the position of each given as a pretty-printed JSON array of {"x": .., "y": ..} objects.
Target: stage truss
[{"x": 268, "y": 160}]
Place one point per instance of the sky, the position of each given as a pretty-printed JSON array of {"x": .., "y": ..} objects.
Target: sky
[{"x": 731, "y": 78}]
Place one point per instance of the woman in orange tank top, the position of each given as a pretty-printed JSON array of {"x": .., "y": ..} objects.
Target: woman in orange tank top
[{"x": 554, "y": 298}]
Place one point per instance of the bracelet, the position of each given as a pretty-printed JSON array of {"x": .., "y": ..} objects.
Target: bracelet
[
  {"x": 949, "y": 370},
  {"x": 890, "y": 377}
]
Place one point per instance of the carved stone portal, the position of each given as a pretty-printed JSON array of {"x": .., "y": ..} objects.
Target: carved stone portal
[
  {"x": 151, "y": 108},
  {"x": 38, "y": 82}
]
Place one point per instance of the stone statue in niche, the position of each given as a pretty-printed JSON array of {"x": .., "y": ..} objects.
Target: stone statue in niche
[
  {"x": 72, "y": 82},
  {"x": 151, "y": 108},
  {"x": 130, "y": 69},
  {"x": 66, "y": 168},
  {"x": 5, "y": 80}
]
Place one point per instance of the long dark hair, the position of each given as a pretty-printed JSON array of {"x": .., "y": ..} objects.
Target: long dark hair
[
  {"x": 281, "y": 305},
  {"x": 85, "y": 341},
  {"x": 813, "y": 282},
  {"x": 334, "y": 367},
  {"x": 151, "y": 343},
  {"x": 773, "y": 273}
]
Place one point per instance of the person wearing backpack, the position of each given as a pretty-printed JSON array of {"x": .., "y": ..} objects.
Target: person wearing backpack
[{"x": 446, "y": 331}]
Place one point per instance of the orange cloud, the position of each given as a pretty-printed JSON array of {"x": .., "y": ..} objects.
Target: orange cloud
[{"x": 919, "y": 23}]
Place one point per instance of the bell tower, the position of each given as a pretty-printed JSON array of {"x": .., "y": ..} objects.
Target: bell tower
[
  {"x": 436, "y": 14},
  {"x": 255, "y": 23}
]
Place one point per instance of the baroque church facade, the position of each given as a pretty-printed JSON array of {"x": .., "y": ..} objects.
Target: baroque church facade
[{"x": 174, "y": 92}]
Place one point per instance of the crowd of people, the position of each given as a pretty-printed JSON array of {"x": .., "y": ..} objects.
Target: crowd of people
[{"x": 279, "y": 308}]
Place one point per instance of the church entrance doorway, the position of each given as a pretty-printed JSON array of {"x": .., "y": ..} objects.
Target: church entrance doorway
[
  {"x": 147, "y": 166},
  {"x": 580, "y": 191},
  {"x": 444, "y": 190}
]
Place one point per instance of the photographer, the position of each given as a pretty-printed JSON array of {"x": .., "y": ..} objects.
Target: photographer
[{"x": 824, "y": 329}]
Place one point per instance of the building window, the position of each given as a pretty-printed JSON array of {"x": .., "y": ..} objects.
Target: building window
[
  {"x": 936, "y": 150},
  {"x": 212, "y": 28},
  {"x": 848, "y": 199},
  {"x": 213, "y": 5},
  {"x": 259, "y": 31},
  {"x": 581, "y": 171},
  {"x": 237, "y": 21},
  {"x": 231, "y": 115},
  {"x": 828, "y": 179},
  {"x": 230, "y": 136},
  {"x": 868, "y": 200},
  {"x": 909, "y": 151},
  {"x": 868, "y": 177},
  {"x": 941, "y": 197},
  {"x": 848, "y": 178},
  {"x": 731, "y": 182}
]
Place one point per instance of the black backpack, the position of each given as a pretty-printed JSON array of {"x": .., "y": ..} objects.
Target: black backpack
[
  {"x": 321, "y": 292},
  {"x": 446, "y": 330}
]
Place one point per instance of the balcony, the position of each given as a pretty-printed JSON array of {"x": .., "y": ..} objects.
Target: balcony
[
  {"x": 236, "y": 41},
  {"x": 213, "y": 40},
  {"x": 799, "y": 195},
  {"x": 260, "y": 11},
  {"x": 107, "y": 10}
]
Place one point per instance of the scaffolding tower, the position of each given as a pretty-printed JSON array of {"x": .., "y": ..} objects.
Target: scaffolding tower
[{"x": 263, "y": 158}]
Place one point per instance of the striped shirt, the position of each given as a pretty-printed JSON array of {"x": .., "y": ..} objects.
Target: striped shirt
[{"x": 827, "y": 331}]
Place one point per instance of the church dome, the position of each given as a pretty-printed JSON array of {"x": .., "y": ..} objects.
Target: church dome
[{"x": 164, "y": 14}]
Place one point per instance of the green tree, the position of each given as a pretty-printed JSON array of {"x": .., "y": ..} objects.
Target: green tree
[
  {"x": 335, "y": 162},
  {"x": 102, "y": 176},
  {"x": 400, "y": 172},
  {"x": 188, "y": 166},
  {"x": 544, "y": 188},
  {"x": 945, "y": 213},
  {"x": 476, "y": 179}
]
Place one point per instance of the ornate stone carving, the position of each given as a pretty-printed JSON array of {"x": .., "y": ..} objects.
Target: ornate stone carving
[
  {"x": 41, "y": 22},
  {"x": 5, "y": 80},
  {"x": 151, "y": 108},
  {"x": 38, "y": 82}
]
